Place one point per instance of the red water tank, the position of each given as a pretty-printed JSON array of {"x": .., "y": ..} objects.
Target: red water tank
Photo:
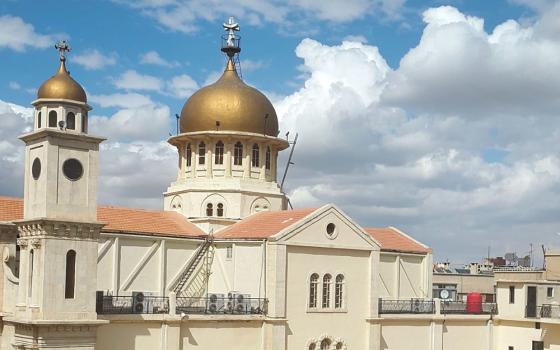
[{"x": 474, "y": 303}]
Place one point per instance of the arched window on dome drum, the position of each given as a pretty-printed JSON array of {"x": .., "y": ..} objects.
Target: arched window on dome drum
[
  {"x": 325, "y": 344},
  {"x": 71, "y": 121},
  {"x": 255, "y": 156},
  {"x": 339, "y": 346},
  {"x": 220, "y": 210},
  {"x": 326, "y": 302},
  {"x": 201, "y": 153},
  {"x": 53, "y": 118},
  {"x": 313, "y": 288},
  {"x": 39, "y": 120},
  {"x": 338, "y": 290},
  {"x": 219, "y": 153},
  {"x": 70, "y": 274},
  {"x": 209, "y": 209},
  {"x": 312, "y": 346},
  {"x": 238, "y": 154},
  {"x": 189, "y": 155},
  {"x": 267, "y": 159}
]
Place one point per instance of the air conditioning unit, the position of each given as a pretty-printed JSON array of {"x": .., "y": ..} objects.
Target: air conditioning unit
[
  {"x": 216, "y": 303},
  {"x": 142, "y": 303},
  {"x": 239, "y": 303}
]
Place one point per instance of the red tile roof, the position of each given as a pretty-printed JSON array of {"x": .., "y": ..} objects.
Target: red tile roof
[
  {"x": 392, "y": 239},
  {"x": 263, "y": 224},
  {"x": 125, "y": 220}
]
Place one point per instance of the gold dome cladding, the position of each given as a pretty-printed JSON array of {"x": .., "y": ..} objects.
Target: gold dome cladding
[{"x": 232, "y": 104}]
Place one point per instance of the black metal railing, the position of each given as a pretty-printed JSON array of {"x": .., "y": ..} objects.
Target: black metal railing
[
  {"x": 221, "y": 305},
  {"x": 409, "y": 306},
  {"x": 116, "y": 304},
  {"x": 543, "y": 311},
  {"x": 462, "y": 307}
]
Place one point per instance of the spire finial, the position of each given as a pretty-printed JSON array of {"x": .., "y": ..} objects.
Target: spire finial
[
  {"x": 230, "y": 41},
  {"x": 62, "y": 47}
]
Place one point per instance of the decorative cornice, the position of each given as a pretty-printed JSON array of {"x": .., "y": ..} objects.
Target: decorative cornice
[{"x": 60, "y": 229}]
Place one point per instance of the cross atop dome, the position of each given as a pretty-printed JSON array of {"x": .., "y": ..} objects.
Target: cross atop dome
[
  {"x": 62, "y": 47},
  {"x": 230, "y": 41}
]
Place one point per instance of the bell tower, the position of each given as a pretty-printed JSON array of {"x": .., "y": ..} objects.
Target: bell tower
[{"x": 59, "y": 233}]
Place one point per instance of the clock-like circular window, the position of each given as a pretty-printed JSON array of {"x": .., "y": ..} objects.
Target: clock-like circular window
[
  {"x": 72, "y": 169},
  {"x": 36, "y": 168}
]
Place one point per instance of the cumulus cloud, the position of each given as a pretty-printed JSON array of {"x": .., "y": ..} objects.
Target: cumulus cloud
[
  {"x": 128, "y": 100},
  {"x": 180, "y": 86},
  {"x": 153, "y": 57},
  {"x": 14, "y": 85},
  {"x": 18, "y": 35},
  {"x": 93, "y": 59}
]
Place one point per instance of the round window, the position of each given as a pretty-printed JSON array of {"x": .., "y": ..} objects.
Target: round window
[
  {"x": 72, "y": 169},
  {"x": 36, "y": 168},
  {"x": 330, "y": 229}
]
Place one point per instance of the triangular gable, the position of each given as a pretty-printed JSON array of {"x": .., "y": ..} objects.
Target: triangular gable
[{"x": 312, "y": 230}]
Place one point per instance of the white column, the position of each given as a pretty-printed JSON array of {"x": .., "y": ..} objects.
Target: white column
[
  {"x": 209, "y": 160},
  {"x": 273, "y": 165},
  {"x": 247, "y": 160},
  {"x": 262, "y": 156},
  {"x": 181, "y": 151},
  {"x": 228, "y": 159}
]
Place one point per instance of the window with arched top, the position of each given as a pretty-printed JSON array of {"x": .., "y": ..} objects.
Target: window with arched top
[
  {"x": 84, "y": 122},
  {"x": 313, "y": 289},
  {"x": 219, "y": 153},
  {"x": 53, "y": 118},
  {"x": 189, "y": 155},
  {"x": 325, "y": 344},
  {"x": 238, "y": 154},
  {"x": 338, "y": 291},
  {"x": 312, "y": 346},
  {"x": 39, "y": 120},
  {"x": 209, "y": 209},
  {"x": 220, "y": 209},
  {"x": 71, "y": 121},
  {"x": 201, "y": 153},
  {"x": 339, "y": 346},
  {"x": 70, "y": 274},
  {"x": 326, "y": 302},
  {"x": 267, "y": 159},
  {"x": 255, "y": 156}
]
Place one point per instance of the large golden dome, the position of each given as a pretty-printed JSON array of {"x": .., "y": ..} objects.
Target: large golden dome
[
  {"x": 232, "y": 103},
  {"x": 62, "y": 86}
]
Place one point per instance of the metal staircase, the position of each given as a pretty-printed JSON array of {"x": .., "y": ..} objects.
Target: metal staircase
[{"x": 200, "y": 255}]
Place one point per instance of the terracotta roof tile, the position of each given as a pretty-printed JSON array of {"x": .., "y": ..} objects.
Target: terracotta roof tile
[
  {"x": 125, "y": 220},
  {"x": 393, "y": 240},
  {"x": 263, "y": 224}
]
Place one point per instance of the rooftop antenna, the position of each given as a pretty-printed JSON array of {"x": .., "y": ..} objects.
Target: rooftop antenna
[
  {"x": 217, "y": 125},
  {"x": 230, "y": 43},
  {"x": 177, "y": 117},
  {"x": 265, "y": 120},
  {"x": 293, "y": 143}
]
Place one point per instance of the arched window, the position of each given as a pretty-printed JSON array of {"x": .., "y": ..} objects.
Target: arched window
[
  {"x": 255, "y": 156},
  {"x": 30, "y": 277},
  {"x": 84, "y": 122},
  {"x": 326, "y": 291},
  {"x": 201, "y": 153},
  {"x": 53, "y": 118},
  {"x": 338, "y": 290},
  {"x": 189, "y": 155},
  {"x": 220, "y": 210},
  {"x": 312, "y": 346},
  {"x": 238, "y": 154},
  {"x": 219, "y": 153},
  {"x": 209, "y": 209},
  {"x": 70, "y": 274},
  {"x": 267, "y": 159},
  {"x": 339, "y": 346},
  {"x": 71, "y": 121},
  {"x": 39, "y": 120},
  {"x": 313, "y": 287},
  {"x": 325, "y": 344}
]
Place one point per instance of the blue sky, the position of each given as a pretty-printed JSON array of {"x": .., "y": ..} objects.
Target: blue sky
[{"x": 438, "y": 117}]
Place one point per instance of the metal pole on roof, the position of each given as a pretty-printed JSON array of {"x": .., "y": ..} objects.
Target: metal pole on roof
[{"x": 289, "y": 163}]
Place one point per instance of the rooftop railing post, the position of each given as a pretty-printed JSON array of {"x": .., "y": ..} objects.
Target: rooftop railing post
[
  {"x": 172, "y": 303},
  {"x": 437, "y": 304}
]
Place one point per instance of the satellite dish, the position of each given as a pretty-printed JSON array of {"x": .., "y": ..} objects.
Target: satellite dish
[{"x": 444, "y": 294}]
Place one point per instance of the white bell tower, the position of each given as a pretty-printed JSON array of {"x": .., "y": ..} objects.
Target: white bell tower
[{"x": 59, "y": 233}]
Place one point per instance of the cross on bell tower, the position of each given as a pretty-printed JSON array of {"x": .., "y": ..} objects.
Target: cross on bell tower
[{"x": 62, "y": 47}]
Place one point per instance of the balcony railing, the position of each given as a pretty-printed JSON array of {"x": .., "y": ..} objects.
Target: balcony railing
[
  {"x": 461, "y": 307},
  {"x": 543, "y": 311},
  {"x": 410, "y": 306},
  {"x": 116, "y": 304},
  {"x": 111, "y": 305},
  {"x": 218, "y": 305}
]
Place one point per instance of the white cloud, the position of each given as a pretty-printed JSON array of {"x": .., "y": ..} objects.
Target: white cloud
[
  {"x": 132, "y": 80},
  {"x": 251, "y": 65},
  {"x": 356, "y": 38},
  {"x": 14, "y": 85},
  {"x": 152, "y": 57},
  {"x": 92, "y": 59},
  {"x": 182, "y": 86},
  {"x": 17, "y": 35},
  {"x": 128, "y": 100}
]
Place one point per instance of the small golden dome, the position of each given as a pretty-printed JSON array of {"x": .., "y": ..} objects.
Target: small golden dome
[
  {"x": 62, "y": 86},
  {"x": 233, "y": 104}
]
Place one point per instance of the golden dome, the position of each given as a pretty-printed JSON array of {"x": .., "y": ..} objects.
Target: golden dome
[
  {"x": 62, "y": 86},
  {"x": 233, "y": 104}
]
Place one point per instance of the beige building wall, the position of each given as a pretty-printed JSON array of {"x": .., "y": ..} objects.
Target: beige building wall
[{"x": 404, "y": 275}]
